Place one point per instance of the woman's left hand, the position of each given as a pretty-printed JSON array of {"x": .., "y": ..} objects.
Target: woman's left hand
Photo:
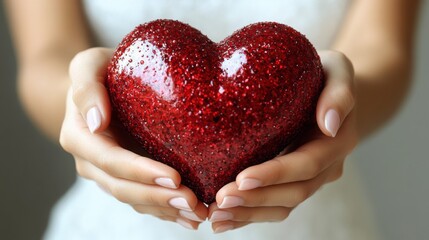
[{"x": 269, "y": 191}]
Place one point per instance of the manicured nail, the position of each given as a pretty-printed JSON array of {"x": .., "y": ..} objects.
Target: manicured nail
[
  {"x": 219, "y": 215},
  {"x": 166, "y": 182},
  {"x": 231, "y": 201},
  {"x": 332, "y": 122},
  {"x": 223, "y": 228},
  {"x": 185, "y": 224},
  {"x": 190, "y": 215},
  {"x": 249, "y": 183},
  {"x": 180, "y": 203},
  {"x": 93, "y": 119}
]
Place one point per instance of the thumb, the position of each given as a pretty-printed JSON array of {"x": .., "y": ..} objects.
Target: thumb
[
  {"x": 337, "y": 98},
  {"x": 87, "y": 72}
]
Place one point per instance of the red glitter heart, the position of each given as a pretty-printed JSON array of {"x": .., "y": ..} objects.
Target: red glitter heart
[{"x": 209, "y": 109}]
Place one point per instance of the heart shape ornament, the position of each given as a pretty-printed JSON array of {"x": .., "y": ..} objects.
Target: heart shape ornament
[{"x": 208, "y": 109}]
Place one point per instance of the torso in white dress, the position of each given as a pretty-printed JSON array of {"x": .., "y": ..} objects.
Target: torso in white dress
[{"x": 336, "y": 212}]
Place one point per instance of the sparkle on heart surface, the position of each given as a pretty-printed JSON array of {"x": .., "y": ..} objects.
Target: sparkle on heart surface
[{"x": 209, "y": 109}]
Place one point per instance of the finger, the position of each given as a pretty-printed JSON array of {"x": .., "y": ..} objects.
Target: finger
[
  {"x": 139, "y": 194},
  {"x": 156, "y": 210},
  {"x": 191, "y": 225},
  {"x": 220, "y": 227},
  {"x": 88, "y": 72},
  {"x": 305, "y": 163},
  {"x": 282, "y": 195},
  {"x": 199, "y": 215},
  {"x": 337, "y": 98},
  {"x": 246, "y": 214},
  {"x": 337, "y": 172},
  {"x": 107, "y": 155}
]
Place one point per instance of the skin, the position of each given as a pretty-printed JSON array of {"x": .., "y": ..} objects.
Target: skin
[{"x": 61, "y": 77}]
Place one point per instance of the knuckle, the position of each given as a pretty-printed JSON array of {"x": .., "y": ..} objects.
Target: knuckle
[
  {"x": 65, "y": 141},
  {"x": 117, "y": 192},
  {"x": 140, "y": 209},
  {"x": 300, "y": 196},
  {"x": 86, "y": 56},
  {"x": 81, "y": 92},
  {"x": 338, "y": 173},
  {"x": 104, "y": 161},
  {"x": 244, "y": 216},
  {"x": 93, "y": 53},
  {"x": 309, "y": 166},
  {"x": 169, "y": 212},
  {"x": 80, "y": 169},
  {"x": 312, "y": 169},
  {"x": 348, "y": 97},
  {"x": 152, "y": 199},
  {"x": 76, "y": 62},
  {"x": 136, "y": 172},
  {"x": 166, "y": 218},
  {"x": 279, "y": 168},
  {"x": 275, "y": 165},
  {"x": 262, "y": 200},
  {"x": 347, "y": 62},
  {"x": 341, "y": 58},
  {"x": 282, "y": 214},
  {"x": 340, "y": 55}
]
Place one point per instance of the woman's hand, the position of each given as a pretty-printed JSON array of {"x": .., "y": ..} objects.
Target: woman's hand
[
  {"x": 269, "y": 191},
  {"x": 88, "y": 133}
]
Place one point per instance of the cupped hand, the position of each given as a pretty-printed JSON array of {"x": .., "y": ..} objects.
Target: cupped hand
[
  {"x": 90, "y": 135},
  {"x": 269, "y": 191}
]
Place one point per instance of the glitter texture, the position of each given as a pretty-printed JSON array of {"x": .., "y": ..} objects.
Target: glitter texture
[{"x": 208, "y": 109}]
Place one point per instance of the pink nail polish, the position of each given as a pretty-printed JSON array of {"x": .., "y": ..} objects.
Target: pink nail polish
[
  {"x": 231, "y": 201},
  {"x": 249, "y": 183},
  {"x": 166, "y": 182},
  {"x": 219, "y": 215},
  {"x": 190, "y": 215},
  {"x": 180, "y": 203},
  {"x": 332, "y": 122},
  {"x": 185, "y": 224},
  {"x": 223, "y": 228},
  {"x": 93, "y": 119}
]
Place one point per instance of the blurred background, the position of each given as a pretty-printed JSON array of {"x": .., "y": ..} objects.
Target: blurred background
[{"x": 35, "y": 172}]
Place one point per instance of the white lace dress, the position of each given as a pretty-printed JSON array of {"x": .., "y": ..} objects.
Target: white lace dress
[{"x": 339, "y": 211}]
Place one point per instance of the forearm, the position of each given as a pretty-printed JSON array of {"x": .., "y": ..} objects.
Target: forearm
[
  {"x": 42, "y": 87},
  {"x": 378, "y": 39},
  {"x": 47, "y": 34}
]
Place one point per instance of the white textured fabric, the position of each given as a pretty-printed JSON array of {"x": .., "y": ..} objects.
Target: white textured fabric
[
  {"x": 336, "y": 212},
  {"x": 317, "y": 19}
]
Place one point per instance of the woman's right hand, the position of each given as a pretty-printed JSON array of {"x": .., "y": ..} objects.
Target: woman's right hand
[{"x": 88, "y": 133}]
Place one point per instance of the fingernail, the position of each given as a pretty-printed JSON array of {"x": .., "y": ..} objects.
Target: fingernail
[
  {"x": 332, "y": 122},
  {"x": 93, "y": 119},
  {"x": 223, "y": 228},
  {"x": 249, "y": 183},
  {"x": 190, "y": 215},
  {"x": 180, "y": 203},
  {"x": 185, "y": 224},
  {"x": 219, "y": 215},
  {"x": 231, "y": 201},
  {"x": 166, "y": 182}
]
